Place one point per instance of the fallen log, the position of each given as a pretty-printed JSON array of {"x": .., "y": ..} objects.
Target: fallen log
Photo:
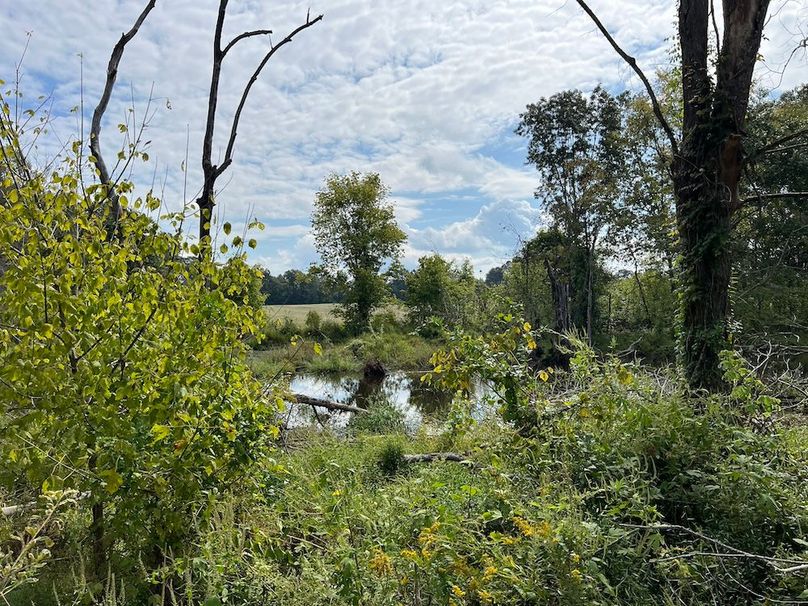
[{"x": 300, "y": 398}]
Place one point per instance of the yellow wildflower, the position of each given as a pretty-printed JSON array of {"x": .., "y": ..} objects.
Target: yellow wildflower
[
  {"x": 485, "y": 596},
  {"x": 380, "y": 563},
  {"x": 524, "y": 526},
  {"x": 409, "y": 554},
  {"x": 457, "y": 591},
  {"x": 489, "y": 572},
  {"x": 545, "y": 529}
]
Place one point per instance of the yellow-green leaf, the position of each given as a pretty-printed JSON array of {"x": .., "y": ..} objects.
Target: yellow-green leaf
[
  {"x": 160, "y": 432},
  {"x": 112, "y": 480}
]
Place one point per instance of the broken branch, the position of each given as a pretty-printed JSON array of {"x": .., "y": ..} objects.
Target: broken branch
[{"x": 234, "y": 41}]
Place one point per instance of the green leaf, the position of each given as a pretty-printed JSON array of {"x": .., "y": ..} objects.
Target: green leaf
[
  {"x": 160, "y": 432},
  {"x": 112, "y": 480},
  {"x": 226, "y": 228}
]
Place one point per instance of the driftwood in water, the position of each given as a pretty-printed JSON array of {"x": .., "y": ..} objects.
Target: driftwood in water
[{"x": 328, "y": 404}]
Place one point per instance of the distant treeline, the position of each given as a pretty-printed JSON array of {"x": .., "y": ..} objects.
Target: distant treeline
[{"x": 295, "y": 287}]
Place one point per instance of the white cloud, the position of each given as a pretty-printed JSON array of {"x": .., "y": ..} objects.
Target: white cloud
[
  {"x": 489, "y": 237},
  {"x": 413, "y": 89}
]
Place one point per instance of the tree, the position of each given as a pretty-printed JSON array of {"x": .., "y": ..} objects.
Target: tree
[
  {"x": 355, "y": 230},
  {"x": 438, "y": 288},
  {"x": 294, "y": 287},
  {"x": 770, "y": 295},
  {"x": 707, "y": 163},
  {"x": 495, "y": 275},
  {"x": 211, "y": 172},
  {"x": 122, "y": 362},
  {"x": 575, "y": 143}
]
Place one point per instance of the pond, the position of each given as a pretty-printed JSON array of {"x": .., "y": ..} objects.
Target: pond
[{"x": 416, "y": 401}]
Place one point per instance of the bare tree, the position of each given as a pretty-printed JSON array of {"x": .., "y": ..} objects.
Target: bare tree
[
  {"x": 707, "y": 165},
  {"x": 211, "y": 172},
  {"x": 95, "y": 128}
]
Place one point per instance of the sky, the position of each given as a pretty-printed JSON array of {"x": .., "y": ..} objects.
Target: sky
[{"x": 425, "y": 92}]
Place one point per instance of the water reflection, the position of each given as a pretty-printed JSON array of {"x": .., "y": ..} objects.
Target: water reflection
[{"x": 417, "y": 401}]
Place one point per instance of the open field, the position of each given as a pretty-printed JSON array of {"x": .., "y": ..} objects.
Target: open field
[
  {"x": 327, "y": 311},
  {"x": 298, "y": 313}
]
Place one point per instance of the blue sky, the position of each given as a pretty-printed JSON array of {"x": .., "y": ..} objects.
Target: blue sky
[{"x": 426, "y": 93}]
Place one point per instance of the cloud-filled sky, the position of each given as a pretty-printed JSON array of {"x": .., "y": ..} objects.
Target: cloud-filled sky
[{"x": 425, "y": 92}]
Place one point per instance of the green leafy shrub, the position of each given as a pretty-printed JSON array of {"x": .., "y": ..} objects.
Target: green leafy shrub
[
  {"x": 313, "y": 322},
  {"x": 381, "y": 418},
  {"x": 122, "y": 359}
]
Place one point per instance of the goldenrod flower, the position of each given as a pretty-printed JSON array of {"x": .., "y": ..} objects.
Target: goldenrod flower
[
  {"x": 524, "y": 526},
  {"x": 381, "y": 563},
  {"x": 409, "y": 554}
]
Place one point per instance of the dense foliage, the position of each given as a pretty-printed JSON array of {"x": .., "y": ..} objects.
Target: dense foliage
[
  {"x": 355, "y": 231},
  {"x": 122, "y": 366}
]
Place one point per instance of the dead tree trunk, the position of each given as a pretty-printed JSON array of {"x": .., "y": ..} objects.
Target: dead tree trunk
[
  {"x": 210, "y": 171},
  {"x": 560, "y": 293},
  {"x": 96, "y": 157}
]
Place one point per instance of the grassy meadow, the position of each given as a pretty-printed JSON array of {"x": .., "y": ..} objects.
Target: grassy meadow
[{"x": 298, "y": 313}]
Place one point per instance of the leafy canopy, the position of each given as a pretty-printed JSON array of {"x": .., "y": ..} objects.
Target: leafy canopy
[{"x": 355, "y": 230}]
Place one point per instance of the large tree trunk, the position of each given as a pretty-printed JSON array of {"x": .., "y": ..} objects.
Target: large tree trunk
[
  {"x": 706, "y": 172},
  {"x": 703, "y": 218}
]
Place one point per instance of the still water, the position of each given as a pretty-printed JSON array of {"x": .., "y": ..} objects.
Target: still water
[{"x": 417, "y": 401}]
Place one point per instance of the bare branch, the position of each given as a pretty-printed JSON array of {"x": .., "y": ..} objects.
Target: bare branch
[
  {"x": 632, "y": 62},
  {"x": 775, "y": 145},
  {"x": 793, "y": 565},
  {"x": 228, "y": 156},
  {"x": 786, "y": 148},
  {"x": 95, "y": 128},
  {"x": 237, "y": 39}
]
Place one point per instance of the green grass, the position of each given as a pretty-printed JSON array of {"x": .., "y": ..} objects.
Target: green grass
[
  {"x": 395, "y": 350},
  {"x": 327, "y": 311},
  {"x": 298, "y": 313}
]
